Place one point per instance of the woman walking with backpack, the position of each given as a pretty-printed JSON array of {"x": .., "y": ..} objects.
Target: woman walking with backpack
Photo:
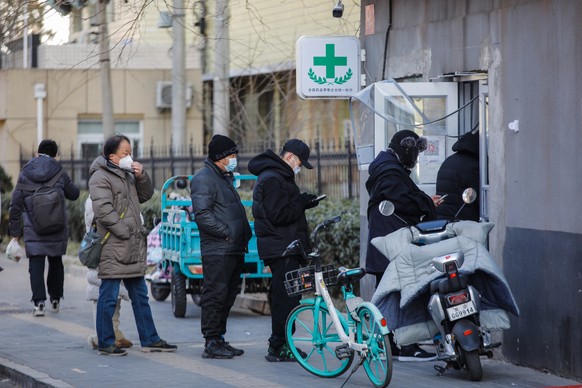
[{"x": 39, "y": 196}]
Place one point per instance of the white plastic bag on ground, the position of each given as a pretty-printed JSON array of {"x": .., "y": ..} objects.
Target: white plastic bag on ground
[{"x": 14, "y": 251}]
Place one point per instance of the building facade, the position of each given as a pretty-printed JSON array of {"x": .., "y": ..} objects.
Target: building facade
[
  {"x": 68, "y": 78},
  {"x": 521, "y": 60},
  {"x": 262, "y": 36}
]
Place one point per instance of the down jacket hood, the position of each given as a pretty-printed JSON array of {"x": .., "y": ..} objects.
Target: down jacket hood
[
  {"x": 269, "y": 160},
  {"x": 468, "y": 144},
  {"x": 41, "y": 169}
]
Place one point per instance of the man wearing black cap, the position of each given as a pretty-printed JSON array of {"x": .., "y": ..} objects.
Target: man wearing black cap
[
  {"x": 279, "y": 211},
  {"x": 224, "y": 236},
  {"x": 389, "y": 179}
]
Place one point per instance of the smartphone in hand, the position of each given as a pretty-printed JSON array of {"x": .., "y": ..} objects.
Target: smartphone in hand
[{"x": 323, "y": 196}]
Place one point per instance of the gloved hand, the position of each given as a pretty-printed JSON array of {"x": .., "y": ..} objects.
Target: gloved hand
[
  {"x": 312, "y": 204},
  {"x": 305, "y": 199}
]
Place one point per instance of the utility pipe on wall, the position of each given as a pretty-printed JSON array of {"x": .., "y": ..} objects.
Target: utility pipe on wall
[
  {"x": 105, "y": 72},
  {"x": 39, "y": 94},
  {"x": 178, "y": 77},
  {"x": 221, "y": 80},
  {"x": 25, "y": 38}
]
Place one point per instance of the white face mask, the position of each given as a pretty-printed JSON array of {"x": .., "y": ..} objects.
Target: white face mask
[
  {"x": 230, "y": 167},
  {"x": 297, "y": 168},
  {"x": 125, "y": 163}
]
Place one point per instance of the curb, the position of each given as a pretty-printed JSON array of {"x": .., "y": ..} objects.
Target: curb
[{"x": 28, "y": 377}]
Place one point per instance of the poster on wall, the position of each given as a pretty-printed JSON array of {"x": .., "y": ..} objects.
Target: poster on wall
[{"x": 431, "y": 159}]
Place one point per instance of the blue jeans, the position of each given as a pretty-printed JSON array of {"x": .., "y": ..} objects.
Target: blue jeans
[{"x": 138, "y": 293}]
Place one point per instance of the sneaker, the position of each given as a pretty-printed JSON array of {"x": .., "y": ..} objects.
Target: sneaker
[
  {"x": 123, "y": 343},
  {"x": 160, "y": 346},
  {"x": 92, "y": 341},
  {"x": 395, "y": 350},
  {"x": 55, "y": 305},
  {"x": 233, "y": 350},
  {"x": 112, "y": 351},
  {"x": 283, "y": 354},
  {"x": 38, "y": 310},
  {"x": 217, "y": 349},
  {"x": 415, "y": 353}
]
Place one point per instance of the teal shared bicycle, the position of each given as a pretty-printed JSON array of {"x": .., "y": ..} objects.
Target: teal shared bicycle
[{"x": 323, "y": 339}]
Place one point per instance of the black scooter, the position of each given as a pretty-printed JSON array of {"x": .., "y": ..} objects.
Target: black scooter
[{"x": 454, "y": 304}]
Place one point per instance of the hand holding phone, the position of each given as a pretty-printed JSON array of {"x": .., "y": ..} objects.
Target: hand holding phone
[
  {"x": 322, "y": 196},
  {"x": 442, "y": 199}
]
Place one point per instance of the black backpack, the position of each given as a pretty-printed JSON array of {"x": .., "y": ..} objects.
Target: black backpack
[{"x": 48, "y": 206}]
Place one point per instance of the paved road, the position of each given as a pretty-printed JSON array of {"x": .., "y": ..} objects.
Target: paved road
[{"x": 51, "y": 351}]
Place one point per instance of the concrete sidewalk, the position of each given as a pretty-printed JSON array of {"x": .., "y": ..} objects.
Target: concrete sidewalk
[{"x": 52, "y": 351}]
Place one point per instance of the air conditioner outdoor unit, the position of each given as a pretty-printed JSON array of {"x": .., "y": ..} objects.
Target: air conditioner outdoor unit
[{"x": 164, "y": 95}]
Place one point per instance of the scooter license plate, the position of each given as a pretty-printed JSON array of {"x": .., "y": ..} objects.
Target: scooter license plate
[{"x": 461, "y": 311}]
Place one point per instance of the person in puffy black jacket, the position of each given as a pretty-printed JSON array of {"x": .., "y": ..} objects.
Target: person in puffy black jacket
[
  {"x": 458, "y": 172},
  {"x": 389, "y": 179},
  {"x": 38, "y": 170},
  {"x": 279, "y": 212},
  {"x": 224, "y": 236}
]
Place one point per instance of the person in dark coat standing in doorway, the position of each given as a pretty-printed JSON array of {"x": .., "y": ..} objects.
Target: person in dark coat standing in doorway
[
  {"x": 279, "y": 211},
  {"x": 458, "y": 172},
  {"x": 224, "y": 236},
  {"x": 40, "y": 170},
  {"x": 389, "y": 179}
]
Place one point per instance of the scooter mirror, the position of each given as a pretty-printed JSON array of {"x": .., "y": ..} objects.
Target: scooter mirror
[
  {"x": 469, "y": 195},
  {"x": 386, "y": 208}
]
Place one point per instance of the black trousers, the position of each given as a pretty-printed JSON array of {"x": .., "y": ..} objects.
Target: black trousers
[
  {"x": 219, "y": 288},
  {"x": 54, "y": 281},
  {"x": 281, "y": 303}
]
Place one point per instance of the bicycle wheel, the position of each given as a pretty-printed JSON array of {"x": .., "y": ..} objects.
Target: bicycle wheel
[
  {"x": 378, "y": 362},
  {"x": 313, "y": 340}
]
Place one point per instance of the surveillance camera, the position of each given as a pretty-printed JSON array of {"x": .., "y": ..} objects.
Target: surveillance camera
[{"x": 338, "y": 10}]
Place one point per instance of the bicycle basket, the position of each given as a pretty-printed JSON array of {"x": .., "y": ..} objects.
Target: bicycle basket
[{"x": 303, "y": 279}]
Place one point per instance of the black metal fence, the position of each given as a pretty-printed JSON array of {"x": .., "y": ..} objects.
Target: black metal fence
[{"x": 335, "y": 171}]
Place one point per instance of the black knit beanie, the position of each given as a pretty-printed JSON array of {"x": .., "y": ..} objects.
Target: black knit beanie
[{"x": 220, "y": 147}]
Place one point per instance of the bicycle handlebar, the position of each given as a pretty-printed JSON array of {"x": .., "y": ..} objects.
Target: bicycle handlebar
[
  {"x": 323, "y": 225},
  {"x": 297, "y": 246}
]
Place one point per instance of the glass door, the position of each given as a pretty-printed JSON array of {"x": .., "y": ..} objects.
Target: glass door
[{"x": 426, "y": 108}]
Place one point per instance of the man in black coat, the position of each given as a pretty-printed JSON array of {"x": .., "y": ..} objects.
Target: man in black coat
[
  {"x": 279, "y": 211},
  {"x": 40, "y": 170},
  {"x": 389, "y": 179},
  {"x": 224, "y": 236},
  {"x": 458, "y": 172}
]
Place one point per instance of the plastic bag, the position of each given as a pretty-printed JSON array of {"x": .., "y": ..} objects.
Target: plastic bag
[{"x": 14, "y": 251}]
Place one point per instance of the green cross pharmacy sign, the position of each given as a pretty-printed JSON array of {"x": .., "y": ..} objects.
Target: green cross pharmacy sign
[{"x": 328, "y": 66}]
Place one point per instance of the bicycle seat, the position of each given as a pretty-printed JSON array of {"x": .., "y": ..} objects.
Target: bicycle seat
[{"x": 346, "y": 276}]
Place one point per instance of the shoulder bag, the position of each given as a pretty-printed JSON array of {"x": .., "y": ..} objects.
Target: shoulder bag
[{"x": 91, "y": 246}]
